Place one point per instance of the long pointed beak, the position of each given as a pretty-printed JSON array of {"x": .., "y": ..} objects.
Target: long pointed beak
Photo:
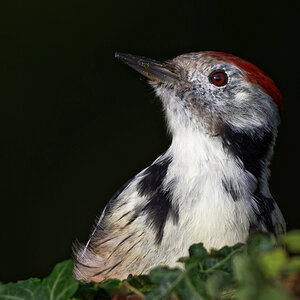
[{"x": 152, "y": 69}]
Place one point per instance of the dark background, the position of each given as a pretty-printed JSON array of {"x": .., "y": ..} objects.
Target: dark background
[{"x": 76, "y": 123}]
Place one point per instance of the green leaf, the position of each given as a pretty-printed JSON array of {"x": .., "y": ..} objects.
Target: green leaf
[
  {"x": 250, "y": 280},
  {"x": 260, "y": 243},
  {"x": 187, "y": 290},
  {"x": 86, "y": 291},
  {"x": 166, "y": 280},
  {"x": 216, "y": 283},
  {"x": 269, "y": 292},
  {"x": 197, "y": 254},
  {"x": 113, "y": 287},
  {"x": 273, "y": 262},
  {"x": 293, "y": 264},
  {"x": 221, "y": 259},
  {"x": 256, "y": 271},
  {"x": 247, "y": 276},
  {"x": 142, "y": 283},
  {"x": 60, "y": 285},
  {"x": 292, "y": 241},
  {"x": 23, "y": 290},
  {"x": 198, "y": 280},
  {"x": 177, "y": 283},
  {"x": 197, "y": 251},
  {"x": 172, "y": 282}
]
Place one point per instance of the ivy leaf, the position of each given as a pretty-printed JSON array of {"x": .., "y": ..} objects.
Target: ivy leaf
[
  {"x": 251, "y": 282},
  {"x": 273, "y": 262},
  {"x": 142, "y": 283},
  {"x": 166, "y": 280},
  {"x": 221, "y": 259},
  {"x": 260, "y": 243},
  {"x": 86, "y": 291},
  {"x": 218, "y": 283},
  {"x": 60, "y": 285},
  {"x": 292, "y": 241},
  {"x": 293, "y": 265},
  {"x": 259, "y": 270},
  {"x": 23, "y": 290},
  {"x": 174, "y": 284},
  {"x": 112, "y": 287},
  {"x": 269, "y": 292},
  {"x": 198, "y": 251}
]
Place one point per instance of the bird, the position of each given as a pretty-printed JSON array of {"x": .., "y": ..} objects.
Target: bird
[{"x": 210, "y": 186}]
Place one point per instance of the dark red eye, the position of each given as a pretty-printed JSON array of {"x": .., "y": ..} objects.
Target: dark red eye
[{"x": 218, "y": 78}]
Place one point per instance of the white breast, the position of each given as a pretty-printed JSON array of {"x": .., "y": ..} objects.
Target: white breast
[{"x": 207, "y": 213}]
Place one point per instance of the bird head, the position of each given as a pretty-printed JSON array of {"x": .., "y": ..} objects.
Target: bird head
[{"x": 211, "y": 92}]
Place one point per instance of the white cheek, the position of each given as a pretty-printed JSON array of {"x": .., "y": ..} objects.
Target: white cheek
[{"x": 250, "y": 109}]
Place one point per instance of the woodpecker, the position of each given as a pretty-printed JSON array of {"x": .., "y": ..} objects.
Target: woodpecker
[{"x": 210, "y": 186}]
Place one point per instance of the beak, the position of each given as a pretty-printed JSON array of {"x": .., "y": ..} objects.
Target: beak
[{"x": 152, "y": 69}]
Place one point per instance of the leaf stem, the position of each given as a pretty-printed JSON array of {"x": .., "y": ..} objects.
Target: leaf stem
[
  {"x": 220, "y": 263},
  {"x": 133, "y": 289},
  {"x": 192, "y": 288}
]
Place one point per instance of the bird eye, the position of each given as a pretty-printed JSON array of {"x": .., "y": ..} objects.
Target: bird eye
[{"x": 218, "y": 78}]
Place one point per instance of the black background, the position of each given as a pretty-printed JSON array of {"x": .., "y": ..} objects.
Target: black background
[{"x": 76, "y": 123}]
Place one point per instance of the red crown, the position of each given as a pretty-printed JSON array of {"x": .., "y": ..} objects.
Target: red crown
[{"x": 253, "y": 74}]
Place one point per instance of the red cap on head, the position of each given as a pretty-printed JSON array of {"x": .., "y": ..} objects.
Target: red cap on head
[{"x": 253, "y": 74}]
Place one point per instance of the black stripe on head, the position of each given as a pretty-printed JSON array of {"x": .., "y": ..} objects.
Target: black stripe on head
[
  {"x": 250, "y": 148},
  {"x": 159, "y": 205}
]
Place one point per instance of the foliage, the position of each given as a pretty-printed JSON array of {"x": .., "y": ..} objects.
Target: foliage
[
  {"x": 59, "y": 285},
  {"x": 258, "y": 270}
]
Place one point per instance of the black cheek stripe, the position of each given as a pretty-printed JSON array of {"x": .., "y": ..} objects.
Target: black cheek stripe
[{"x": 251, "y": 149}]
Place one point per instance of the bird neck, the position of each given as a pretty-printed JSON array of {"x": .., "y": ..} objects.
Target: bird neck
[
  {"x": 234, "y": 162},
  {"x": 192, "y": 146}
]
